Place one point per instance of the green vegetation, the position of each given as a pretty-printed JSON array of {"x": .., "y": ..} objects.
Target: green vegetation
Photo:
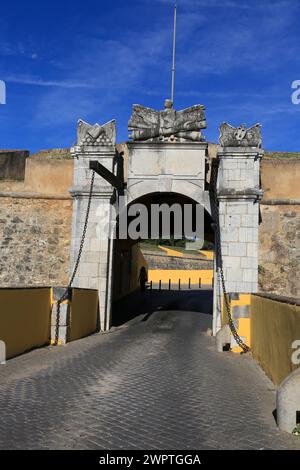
[
  {"x": 282, "y": 154},
  {"x": 178, "y": 245},
  {"x": 296, "y": 430}
]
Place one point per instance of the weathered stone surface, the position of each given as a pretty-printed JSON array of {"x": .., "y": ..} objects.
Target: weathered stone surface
[
  {"x": 156, "y": 260},
  {"x": 279, "y": 250},
  {"x": 167, "y": 125},
  {"x": 12, "y": 164},
  {"x": 35, "y": 241},
  {"x": 238, "y": 194},
  {"x": 288, "y": 402},
  {"x": 240, "y": 136},
  {"x": 96, "y": 135}
]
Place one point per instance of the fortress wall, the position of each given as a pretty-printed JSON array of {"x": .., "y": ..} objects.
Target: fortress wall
[
  {"x": 36, "y": 213},
  {"x": 279, "y": 232},
  {"x": 35, "y": 221}
]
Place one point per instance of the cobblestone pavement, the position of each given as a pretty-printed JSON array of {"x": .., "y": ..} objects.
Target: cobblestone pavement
[{"x": 155, "y": 384}]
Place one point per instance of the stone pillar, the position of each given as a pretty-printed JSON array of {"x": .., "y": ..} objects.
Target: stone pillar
[
  {"x": 238, "y": 190},
  {"x": 93, "y": 143},
  {"x": 217, "y": 307}
]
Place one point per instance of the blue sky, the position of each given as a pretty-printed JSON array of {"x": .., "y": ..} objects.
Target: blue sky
[{"x": 69, "y": 59}]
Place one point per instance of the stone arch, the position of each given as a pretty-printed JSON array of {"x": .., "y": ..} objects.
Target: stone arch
[
  {"x": 125, "y": 249},
  {"x": 182, "y": 188}
]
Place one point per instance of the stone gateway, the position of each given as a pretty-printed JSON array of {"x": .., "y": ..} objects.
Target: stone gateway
[{"x": 168, "y": 156}]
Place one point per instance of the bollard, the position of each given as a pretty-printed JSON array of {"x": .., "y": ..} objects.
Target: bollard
[
  {"x": 189, "y": 282},
  {"x": 178, "y": 284},
  {"x": 223, "y": 338},
  {"x": 169, "y": 284},
  {"x": 160, "y": 284},
  {"x": 199, "y": 282},
  {"x": 150, "y": 285},
  {"x": 2, "y": 352},
  {"x": 288, "y": 402}
]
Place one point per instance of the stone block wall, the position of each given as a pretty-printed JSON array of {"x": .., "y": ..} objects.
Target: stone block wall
[
  {"x": 161, "y": 261},
  {"x": 35, "y": 218},
  {"x": 239, "y": 221},
  {"x": 36, "y": 212},
  {"x": 35, "y": 236},
  {"x": 239, "y": 193},
  {"x": 279, "y": 230},
  {"x": 279, "y": 250}
]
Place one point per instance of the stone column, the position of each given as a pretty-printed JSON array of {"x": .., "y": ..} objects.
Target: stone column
[
  {"x": 94, "y": 143},
  {"x": 239, "y": 193}
]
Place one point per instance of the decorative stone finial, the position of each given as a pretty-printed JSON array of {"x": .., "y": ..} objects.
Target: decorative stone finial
[
  {"x": 168, "y": 125},
  {"x": 240, "y": 136},
  {"x": 168, "y": 104},
  {"x": 96, "y": 135}
]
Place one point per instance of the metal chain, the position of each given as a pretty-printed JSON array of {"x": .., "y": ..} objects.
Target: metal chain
[
  {"x": 66, "y": 292},
  {"x": 215, "y": 215}
]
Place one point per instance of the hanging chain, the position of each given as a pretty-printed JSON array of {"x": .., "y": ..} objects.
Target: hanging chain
[
  {"x": 215, "y": 215},
  {"x": 65, "y": 295}
]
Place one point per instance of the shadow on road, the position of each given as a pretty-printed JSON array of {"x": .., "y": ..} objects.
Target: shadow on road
[{"x": 138, "y": 303}]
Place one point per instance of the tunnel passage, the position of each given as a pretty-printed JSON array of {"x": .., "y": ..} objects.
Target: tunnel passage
[{"x": 178, "y": 269}]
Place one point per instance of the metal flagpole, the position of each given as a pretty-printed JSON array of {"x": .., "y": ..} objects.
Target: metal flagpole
[{"x": 174, "y": 50}]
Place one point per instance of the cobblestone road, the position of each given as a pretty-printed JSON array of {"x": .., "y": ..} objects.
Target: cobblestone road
[{"x": 156, "y": 384}]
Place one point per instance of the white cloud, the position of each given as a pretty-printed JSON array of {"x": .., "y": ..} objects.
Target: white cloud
[{"x": 36, "y": 81}]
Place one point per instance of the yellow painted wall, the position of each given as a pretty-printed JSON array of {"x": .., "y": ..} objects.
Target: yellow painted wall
[
  {"x": 137, "y": 261},
  {"x": 83, "y": 313},
  {"x": 244, "y": 329},
  {"x": 24, "y": 319},
  {"x": 207, "y": 253},
  {"x": 128, "y": 260},
  {"x": 155, "y": 275},
  {"x": 171, "y": 252},
  {"x": 244, "y": 326},
  {"x": 274, "y": 327},
  {"x": 47, "y": 172}
]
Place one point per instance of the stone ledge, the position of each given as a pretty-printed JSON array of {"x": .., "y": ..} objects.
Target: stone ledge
[
  {"x": 240, "y": 194},
  {"x": 24, "y": 195},
  {"x": 279, "y": 298},
  {"x": 280, "y": 202}
]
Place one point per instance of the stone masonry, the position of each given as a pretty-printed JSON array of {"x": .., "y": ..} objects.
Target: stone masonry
[
  {"x": 279, "y": 254},
  {"x": 239, "y": 194},
  {"x": 35, "y": 241},
  {"x": 157, "y": 260},
  {"x": 43, "y": 258},
  {"x": 94, "y": 143}
]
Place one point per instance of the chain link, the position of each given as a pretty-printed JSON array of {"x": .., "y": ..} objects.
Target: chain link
[
  {"x": 65, "y": 295},
  {"x": 215, "y": 215}
]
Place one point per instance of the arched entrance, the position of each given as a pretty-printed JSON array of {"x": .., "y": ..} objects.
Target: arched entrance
[
  {"x": 174, "y": 260},
  {"x": 167, "y": 155}
]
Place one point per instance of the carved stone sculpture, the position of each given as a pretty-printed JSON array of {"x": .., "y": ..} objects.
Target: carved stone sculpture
[
  {"x": 96, "y": 135},
  {"x": 240, "y": 136},
  {"x": 147, "y": 124}
]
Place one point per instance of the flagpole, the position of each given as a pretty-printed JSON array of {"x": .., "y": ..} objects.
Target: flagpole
[{"x": 174, "y": 51}]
